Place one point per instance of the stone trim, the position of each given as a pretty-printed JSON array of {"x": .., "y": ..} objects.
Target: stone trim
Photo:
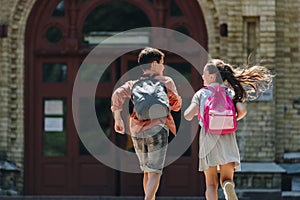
[
  {"x": 212, "y": 21},
  {"x": 15, "y": 89}
]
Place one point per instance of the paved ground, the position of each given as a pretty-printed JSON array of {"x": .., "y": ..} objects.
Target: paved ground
[
  {"x": 244, "y": 195},
  {"x": 93, "y": 198},
  {"x": 97, "y": 198},
  {"x": 130, "y": 198}
]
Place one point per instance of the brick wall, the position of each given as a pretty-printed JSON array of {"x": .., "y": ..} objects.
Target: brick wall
[
  {"x": 256, "y": 136},
  {"x": 14, "y": 14},
  {"x": 288, "y": 76},
  {"x": 4, "y": 12},
  {"x": 4, "y": 79}
]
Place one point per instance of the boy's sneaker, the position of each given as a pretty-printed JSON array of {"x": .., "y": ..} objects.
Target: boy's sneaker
[{"x": 229, "y": 191}]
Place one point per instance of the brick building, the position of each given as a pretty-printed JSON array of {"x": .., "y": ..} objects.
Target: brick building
[{"x": 269, "y": 137}]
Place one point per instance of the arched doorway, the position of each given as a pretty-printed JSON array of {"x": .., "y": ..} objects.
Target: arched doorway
[{"x": 59, "y": 35}]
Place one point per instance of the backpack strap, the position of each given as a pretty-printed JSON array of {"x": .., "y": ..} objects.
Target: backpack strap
[
  {"x": 217, "y": 87},
  {"x": 199, "y": 115},
  {"x": 212, "y": 89},
  {"x": 148, "y": 76},
  {"x": 199, "y": 112}
]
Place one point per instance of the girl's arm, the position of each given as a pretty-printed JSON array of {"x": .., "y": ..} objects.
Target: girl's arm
[
  {"x": 191, "y": 111},
  {"x": 241, "y": 110}
]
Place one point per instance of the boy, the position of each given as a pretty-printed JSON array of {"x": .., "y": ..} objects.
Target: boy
[{"x": 150, "y": 137}]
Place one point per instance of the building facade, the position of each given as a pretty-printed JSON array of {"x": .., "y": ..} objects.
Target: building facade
[{"x": 39, "y": 39}]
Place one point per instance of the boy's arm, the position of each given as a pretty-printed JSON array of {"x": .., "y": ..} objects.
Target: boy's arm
[
  {"x": 119, "y": 123},
  {"x": 118, "y": 98},
  {"x": 120, "y": 95},
  {"x": 175, "y": 102},
  {"x": 174, "y": 98}
]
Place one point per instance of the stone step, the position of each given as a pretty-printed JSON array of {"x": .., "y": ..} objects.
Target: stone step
[
  {"x": 119, "y": 198},
  {"x": 243, "y": 195},
  {"x": 93, "y": 198}
]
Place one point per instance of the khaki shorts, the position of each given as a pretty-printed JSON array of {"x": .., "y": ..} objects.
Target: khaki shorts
[{"x": 151, "y": 147}]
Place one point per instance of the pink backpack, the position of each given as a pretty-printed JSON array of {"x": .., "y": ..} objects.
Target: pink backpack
[{"x": 219, "y": 112}]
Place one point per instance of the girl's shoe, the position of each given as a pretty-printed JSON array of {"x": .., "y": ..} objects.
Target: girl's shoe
[{"x": 229, "y": 191}]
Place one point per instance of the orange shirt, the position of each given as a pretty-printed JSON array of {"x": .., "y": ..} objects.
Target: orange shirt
[{"x": 123, "y": 92}]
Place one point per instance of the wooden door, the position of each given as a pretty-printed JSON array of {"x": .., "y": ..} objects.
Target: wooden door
[
  {"x": 60, "y": 163},
  {"x": 56, "y": 160}
]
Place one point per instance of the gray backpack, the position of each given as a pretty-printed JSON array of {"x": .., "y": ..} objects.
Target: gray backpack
[{"x": 150, "y": 99}]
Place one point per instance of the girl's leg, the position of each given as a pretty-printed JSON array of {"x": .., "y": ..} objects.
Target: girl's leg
[
  {"x": 226, "y": 173},
  {"x": 211, "y": 180},
  {"x": 226, "y": 180}
]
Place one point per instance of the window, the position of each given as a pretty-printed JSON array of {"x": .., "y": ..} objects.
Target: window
[
  {"x": 54, "y": 137},
  {"x": 59, "y": 10},
  {"x": 54, "y": 72},
  {"x": 251, "y": 38},
  {"x": 103, "y": 113},
  {"x": 53, "y": 35},
  {"x": 101, "y": 23},
  {"x": 175, "y": 9},
  {"x": 183, "y": 68}
]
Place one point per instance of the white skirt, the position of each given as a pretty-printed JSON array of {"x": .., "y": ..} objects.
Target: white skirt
[{"x": 216, "y": 150}]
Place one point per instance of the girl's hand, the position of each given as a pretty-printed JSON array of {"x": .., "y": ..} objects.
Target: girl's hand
[
  {"x": 241, "y": 110},
  {"x": 191, "y": 111}
]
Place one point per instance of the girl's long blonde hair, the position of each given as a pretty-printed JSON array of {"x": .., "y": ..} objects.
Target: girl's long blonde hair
[{"x": 247, "y": 82}]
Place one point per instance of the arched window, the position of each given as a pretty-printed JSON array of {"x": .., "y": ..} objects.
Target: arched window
[{"x": 111, "y": 18}]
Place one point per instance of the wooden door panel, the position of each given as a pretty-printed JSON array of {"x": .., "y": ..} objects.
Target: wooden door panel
[
  {"x": 56, "y": 174},
  {"x": 91, "y": 177},
  {"x": 131, "y": 184},
  {"x": 95, "y": 178},
  {"x": 176, "y": 178},
  {"x": 53, "y": 178}
]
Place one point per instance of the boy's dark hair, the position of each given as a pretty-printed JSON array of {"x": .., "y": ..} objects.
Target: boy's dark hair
[{"x": 149, "y": 54}]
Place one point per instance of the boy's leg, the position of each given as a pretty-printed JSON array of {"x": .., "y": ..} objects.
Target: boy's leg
[
  {"x": 145, "y": 180},
  {"x": 211, "y": 180},
  {"x": 152, "y": 185},
  {"x": 157, "y": 145},
  {"x": 140, "y": 150}
]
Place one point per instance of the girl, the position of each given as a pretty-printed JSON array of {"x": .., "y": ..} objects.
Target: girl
[{"x": 220, "y": 152}]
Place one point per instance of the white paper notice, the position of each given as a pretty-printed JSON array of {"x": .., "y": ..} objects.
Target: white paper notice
[
  {"x": 54, "y": 124},
  {"x": 54, "y": 107}
]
